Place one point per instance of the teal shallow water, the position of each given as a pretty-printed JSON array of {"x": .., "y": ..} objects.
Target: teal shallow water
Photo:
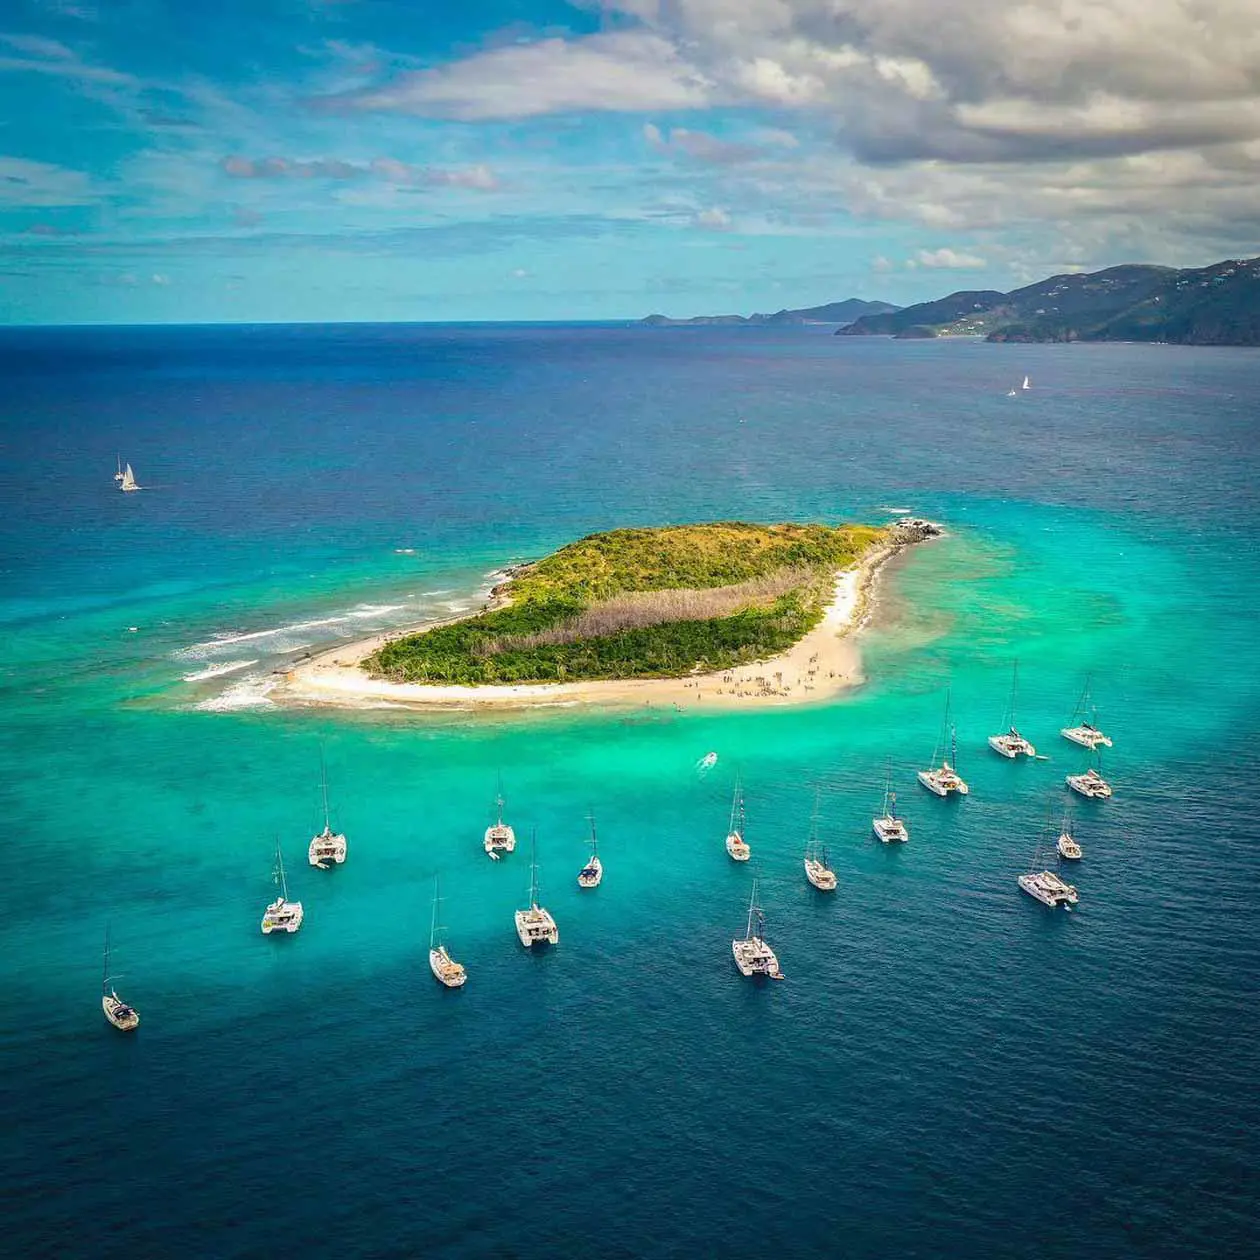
[{"x": 944, "y": 1059}]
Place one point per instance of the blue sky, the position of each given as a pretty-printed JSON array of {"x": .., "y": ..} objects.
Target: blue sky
[{"x": 373, "y": 159}]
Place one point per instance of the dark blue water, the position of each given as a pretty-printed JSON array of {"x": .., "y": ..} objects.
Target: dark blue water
[{"x": 948, "y": 1070}]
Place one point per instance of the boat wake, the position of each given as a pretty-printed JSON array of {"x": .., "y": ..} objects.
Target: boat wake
[{"x": 215, "y": 671}]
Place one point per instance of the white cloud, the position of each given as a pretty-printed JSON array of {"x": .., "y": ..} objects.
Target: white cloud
[
  {"x": 948, "y": 259},
  {"x": 620, "y": 71},
  {"x": 714, "y": 219},
  {"x": 390, "y": 170}
]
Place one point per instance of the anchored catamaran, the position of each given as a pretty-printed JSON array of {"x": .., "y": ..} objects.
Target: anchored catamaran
[
  {"x": 329, "y": 846},
  {"x": 534, "y": 925},
  {"x": 1012, "y": 744},
  {"x": 817, "y": 869},
  {"x": 889, "y": 828},
  {"x": 1091, "y": 783},
  {"x": 1086, "y": 732},
  {"x": 282, "y": 915},
  {"x": 736, "y": 845},
  {"x": 500, "y": 838},
  {"x": 445, "y": 969},
  {"x": 590, "y": 875},
  {"x": 753, "y": 956},
  {"x": 943, "y": 780},
  {"x": 122, "y": 1016}
]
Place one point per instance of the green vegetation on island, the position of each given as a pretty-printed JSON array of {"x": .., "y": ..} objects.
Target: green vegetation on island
[
  {"x": 641, "y": 603},
  {"x": 1207, "y": 306}
]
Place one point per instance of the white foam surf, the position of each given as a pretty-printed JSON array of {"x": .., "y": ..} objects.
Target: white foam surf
[
  {"x": 249, "y": 693},
  {"x": 215, "y": 671}
]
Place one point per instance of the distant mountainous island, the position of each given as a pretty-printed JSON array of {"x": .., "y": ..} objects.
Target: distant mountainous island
[
  {"x": 1206, "y": 306},
  {"x": 832, "y": 313}
]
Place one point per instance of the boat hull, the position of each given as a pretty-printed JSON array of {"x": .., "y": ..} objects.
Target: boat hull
[
  {"x": 1086, "y": 736},
  {"x": 1068, "y": 849},
  {"x": 591, "y": 874},
  {"x": 283, "y": 917},
  {"x": 536, "y": 927},
  {"x": 1011, "y": 746},
  {"x": 737, "y": 848},
  {"x": 822, "y": 878},
  {"x": 499, "y": 839},
  {"x": 756, "y": 958},
  {"x": 1049, "y": 889},
  {"x": 940, "y": 784},
  {"x": 1094, "y": 789},
  {"x": 890, "y": 830},
  {"x": 119, "y": 1013},
  {"x": 445, "y": 970}
]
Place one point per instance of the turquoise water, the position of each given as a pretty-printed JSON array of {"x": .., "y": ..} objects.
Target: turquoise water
[{"x": 948, "y": 1069}]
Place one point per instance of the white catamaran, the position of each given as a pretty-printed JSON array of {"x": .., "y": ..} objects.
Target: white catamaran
[
  {"x": 534, "y": 925},
  {"x": 591, "y": 874},
  {"x": 128, "y": 480},
  {"x": 122, "y": 1016},
  {"x": 817, "y": 869},
  {"x": 1085, "y": 732},
  {"x": 888, "y": 827},
  {"x": 943, "y": 780},
  {"x": 753, "y": 956},
  {"x": 1091, "y": 783},
  {"x": 445, "y": 969},
  {"x": 282, "y": 915},
  {"x": 499, "y": 838},
  {"x": 736, "y": 845},
  {"x": 329, "y": 846},
  {"x": 1011, "y": 744}
]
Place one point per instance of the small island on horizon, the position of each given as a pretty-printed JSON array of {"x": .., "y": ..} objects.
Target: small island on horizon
[{"x": 714, "y": 612}]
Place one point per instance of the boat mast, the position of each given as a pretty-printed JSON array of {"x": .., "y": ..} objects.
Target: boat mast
[
  {"x": 433, "y": 921},
  {"x": 811, "y": 849},
  {"x": 323, "y": 778},
  {"x": 498, "y": 800},
  {"x": 284, "y": 883},
  {"x": 752, "y": 909},
  {"x": 533, "y": 868},
  {"x": 105, "y": 972},
  {"x": 737, "y": 809},
  {"x": 590, "y": 817},
  {"x": 1014, "y": 689}
]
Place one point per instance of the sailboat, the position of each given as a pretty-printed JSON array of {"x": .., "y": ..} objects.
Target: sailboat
[
  {"x": 444, "y": 967},
  {"x": 534, "y": 925},
  {"x": 122, "y": 1016},
  {"x": 817, "y": 869},
  {"x": 1012, "y": 393},
  {"x": 499, "y": 838},
  {"x": 282, "y": 915},
  {"x": 1047, "y": 887},
  {"x": 736, "y": 845},
  {"x": 1012, "y": 744},
  {"x": 1027, "y": 384},
  {"x": 1091, "y": 783},
  {"x": 1085, "y": 732},
  {"x": 118, "y": 476},
  {"x": 329, "y": 846},
  {"x": 590, "y": 875},
  {"x": 889, "y": 828},
  {"x": 1066, "y": 843},
  {"x": 753, "y": 956},
  {"x": 128, "y": 481},
  {"x": 943, "y": 780}
]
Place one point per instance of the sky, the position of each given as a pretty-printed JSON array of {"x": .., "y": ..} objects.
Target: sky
[{"x": 260, "y": 160}]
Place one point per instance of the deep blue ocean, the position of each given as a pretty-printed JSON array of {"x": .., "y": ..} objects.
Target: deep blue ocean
[{"x": 949, "y": 1069}]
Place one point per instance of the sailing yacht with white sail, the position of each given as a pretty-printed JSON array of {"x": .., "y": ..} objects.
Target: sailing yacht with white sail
[
  {"x": 753, "y": 956},
  {"x": 329, "y": 846},
  {"x": 128, "y": 480},
  {"x": 534, "y": 925},
  {"x": 445, "y": 969},
  {"x": 499, "y": 838},
  {"x": 736, "y": 845},
  {"x": 1085, "y": 732},
  {"x": 1027, "y": 383},
  {"x": 591, "y": 874},
  {"x": 888, "y": 827},
  {"x": 123, "y": 1017},
  {"x": 282, "y": 915},
  {"x": 118, "y": 476},
  {"x": 1011, "y": 744},
  {"x": 817, "y": 868},
  {"x": 944, "y": 780}
]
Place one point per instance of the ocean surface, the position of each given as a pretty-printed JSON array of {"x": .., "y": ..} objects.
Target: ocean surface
[{"x": 949, "y": 1069}]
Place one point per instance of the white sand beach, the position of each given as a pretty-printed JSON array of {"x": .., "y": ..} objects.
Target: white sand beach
[{"x": 822, "y": 664}]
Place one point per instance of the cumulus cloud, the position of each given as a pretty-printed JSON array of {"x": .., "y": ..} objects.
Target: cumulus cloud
[
  {"x": 947, "y": 259},
  {"x": 391, "y": 170},
  {"x": 714, "y": 219}
]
